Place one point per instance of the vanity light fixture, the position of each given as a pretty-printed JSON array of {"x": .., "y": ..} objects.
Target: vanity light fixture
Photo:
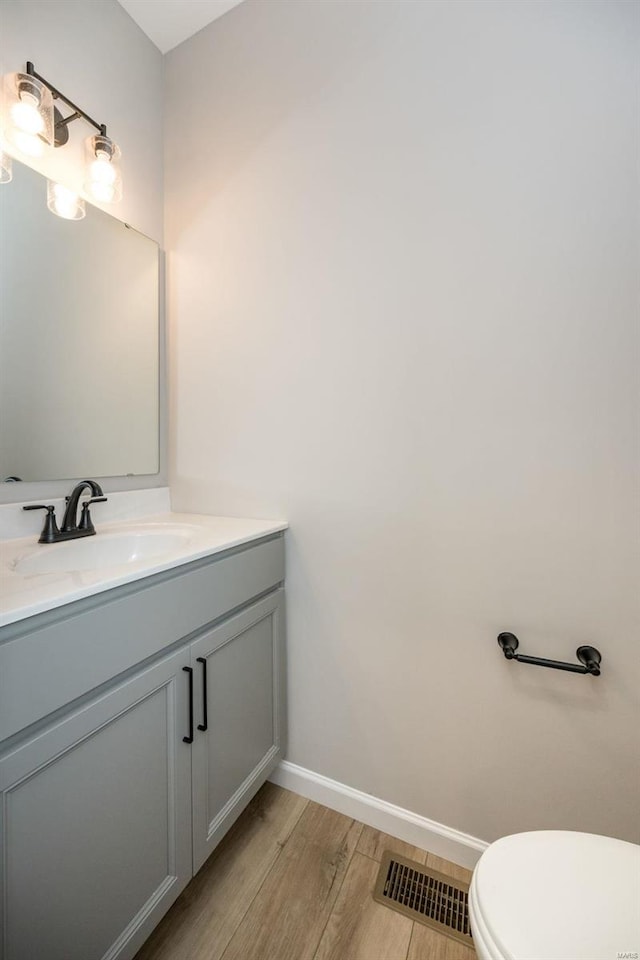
[
  {"x": 29, "y": 113},
  {"x": 103, "y": 179},
  {"x": 32, "y": 123}
]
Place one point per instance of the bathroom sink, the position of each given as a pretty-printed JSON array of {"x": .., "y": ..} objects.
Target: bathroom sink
[{"x": 103, "y": 550}]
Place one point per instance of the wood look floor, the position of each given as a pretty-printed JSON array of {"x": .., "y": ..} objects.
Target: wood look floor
[{"x": 292, "y": 880}]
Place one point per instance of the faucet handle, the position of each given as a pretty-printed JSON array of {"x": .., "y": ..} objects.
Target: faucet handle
[
  {"x": 86, "y": 522},
  {"x": 50, "y": 530}
]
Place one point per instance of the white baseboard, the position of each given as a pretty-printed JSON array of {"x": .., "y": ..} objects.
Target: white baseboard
[{"x": 421, "y": 832}]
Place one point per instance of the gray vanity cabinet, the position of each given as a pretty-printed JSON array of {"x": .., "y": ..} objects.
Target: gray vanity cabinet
[
  {"x": 243, "y": 740},
  {"x": 96, "y": 822},
  {"x": 107, "y": 806}
]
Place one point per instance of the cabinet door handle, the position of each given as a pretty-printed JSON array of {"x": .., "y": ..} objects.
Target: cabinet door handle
[
  {"x": 189, "y": 739},
  {"x": 203, "y": 725}
]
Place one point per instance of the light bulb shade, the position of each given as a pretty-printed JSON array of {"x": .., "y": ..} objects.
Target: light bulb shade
[
  {"x": 103, "y": 179},
  {"x": 27, "y": 114},
  {"x": 64, "y": 202},
  {"x": 6, "y": 167}
]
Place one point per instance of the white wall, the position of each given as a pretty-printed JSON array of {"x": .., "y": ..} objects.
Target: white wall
[
  {"x": 403, "y": 247},
  {"x": 95, "y": 53}
]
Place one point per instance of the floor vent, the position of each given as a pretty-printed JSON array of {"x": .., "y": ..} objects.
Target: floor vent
[{"x": 425, "y": 895}]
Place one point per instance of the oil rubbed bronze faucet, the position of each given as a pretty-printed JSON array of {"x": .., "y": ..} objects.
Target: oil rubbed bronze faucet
[{"x": 71, "y": 529}]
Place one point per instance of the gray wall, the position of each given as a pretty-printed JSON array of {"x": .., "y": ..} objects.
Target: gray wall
[
  {"x": 403, "y": 301},
  {"x": 96, "y": 54}
]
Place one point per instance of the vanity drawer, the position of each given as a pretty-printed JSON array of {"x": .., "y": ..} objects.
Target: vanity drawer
[{"x": 56, "y": 657}]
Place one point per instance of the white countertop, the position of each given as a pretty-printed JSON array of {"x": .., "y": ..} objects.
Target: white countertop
[{"x": 23, "y": 594}]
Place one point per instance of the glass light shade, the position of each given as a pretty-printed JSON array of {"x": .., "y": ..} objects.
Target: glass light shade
[
  {"x": 6, "y": 167},
  {"x": 103, "y": 180},
  {"x": 27, "y": 114},
  {"x": 64, "y": 202}
]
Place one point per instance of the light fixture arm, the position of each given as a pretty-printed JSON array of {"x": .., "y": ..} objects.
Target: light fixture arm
[{"x": 62, "y": 122}]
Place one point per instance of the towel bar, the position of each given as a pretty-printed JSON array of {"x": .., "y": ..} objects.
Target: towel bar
[{"x": 589, "y": 657}]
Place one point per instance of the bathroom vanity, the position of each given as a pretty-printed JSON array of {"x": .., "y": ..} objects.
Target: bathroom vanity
[{"x": 142, "y": 704}]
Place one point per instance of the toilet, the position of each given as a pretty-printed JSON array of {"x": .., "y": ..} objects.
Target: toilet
[{"x": 556, "y": 895}]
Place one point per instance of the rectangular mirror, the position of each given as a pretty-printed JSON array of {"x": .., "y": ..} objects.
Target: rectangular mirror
[{"x": 79, "y": 341}]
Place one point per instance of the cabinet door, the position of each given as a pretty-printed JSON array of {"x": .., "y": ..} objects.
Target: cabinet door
[
  {"x": 244, "y": 739},
  {"x": 96, "y": 823}
]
